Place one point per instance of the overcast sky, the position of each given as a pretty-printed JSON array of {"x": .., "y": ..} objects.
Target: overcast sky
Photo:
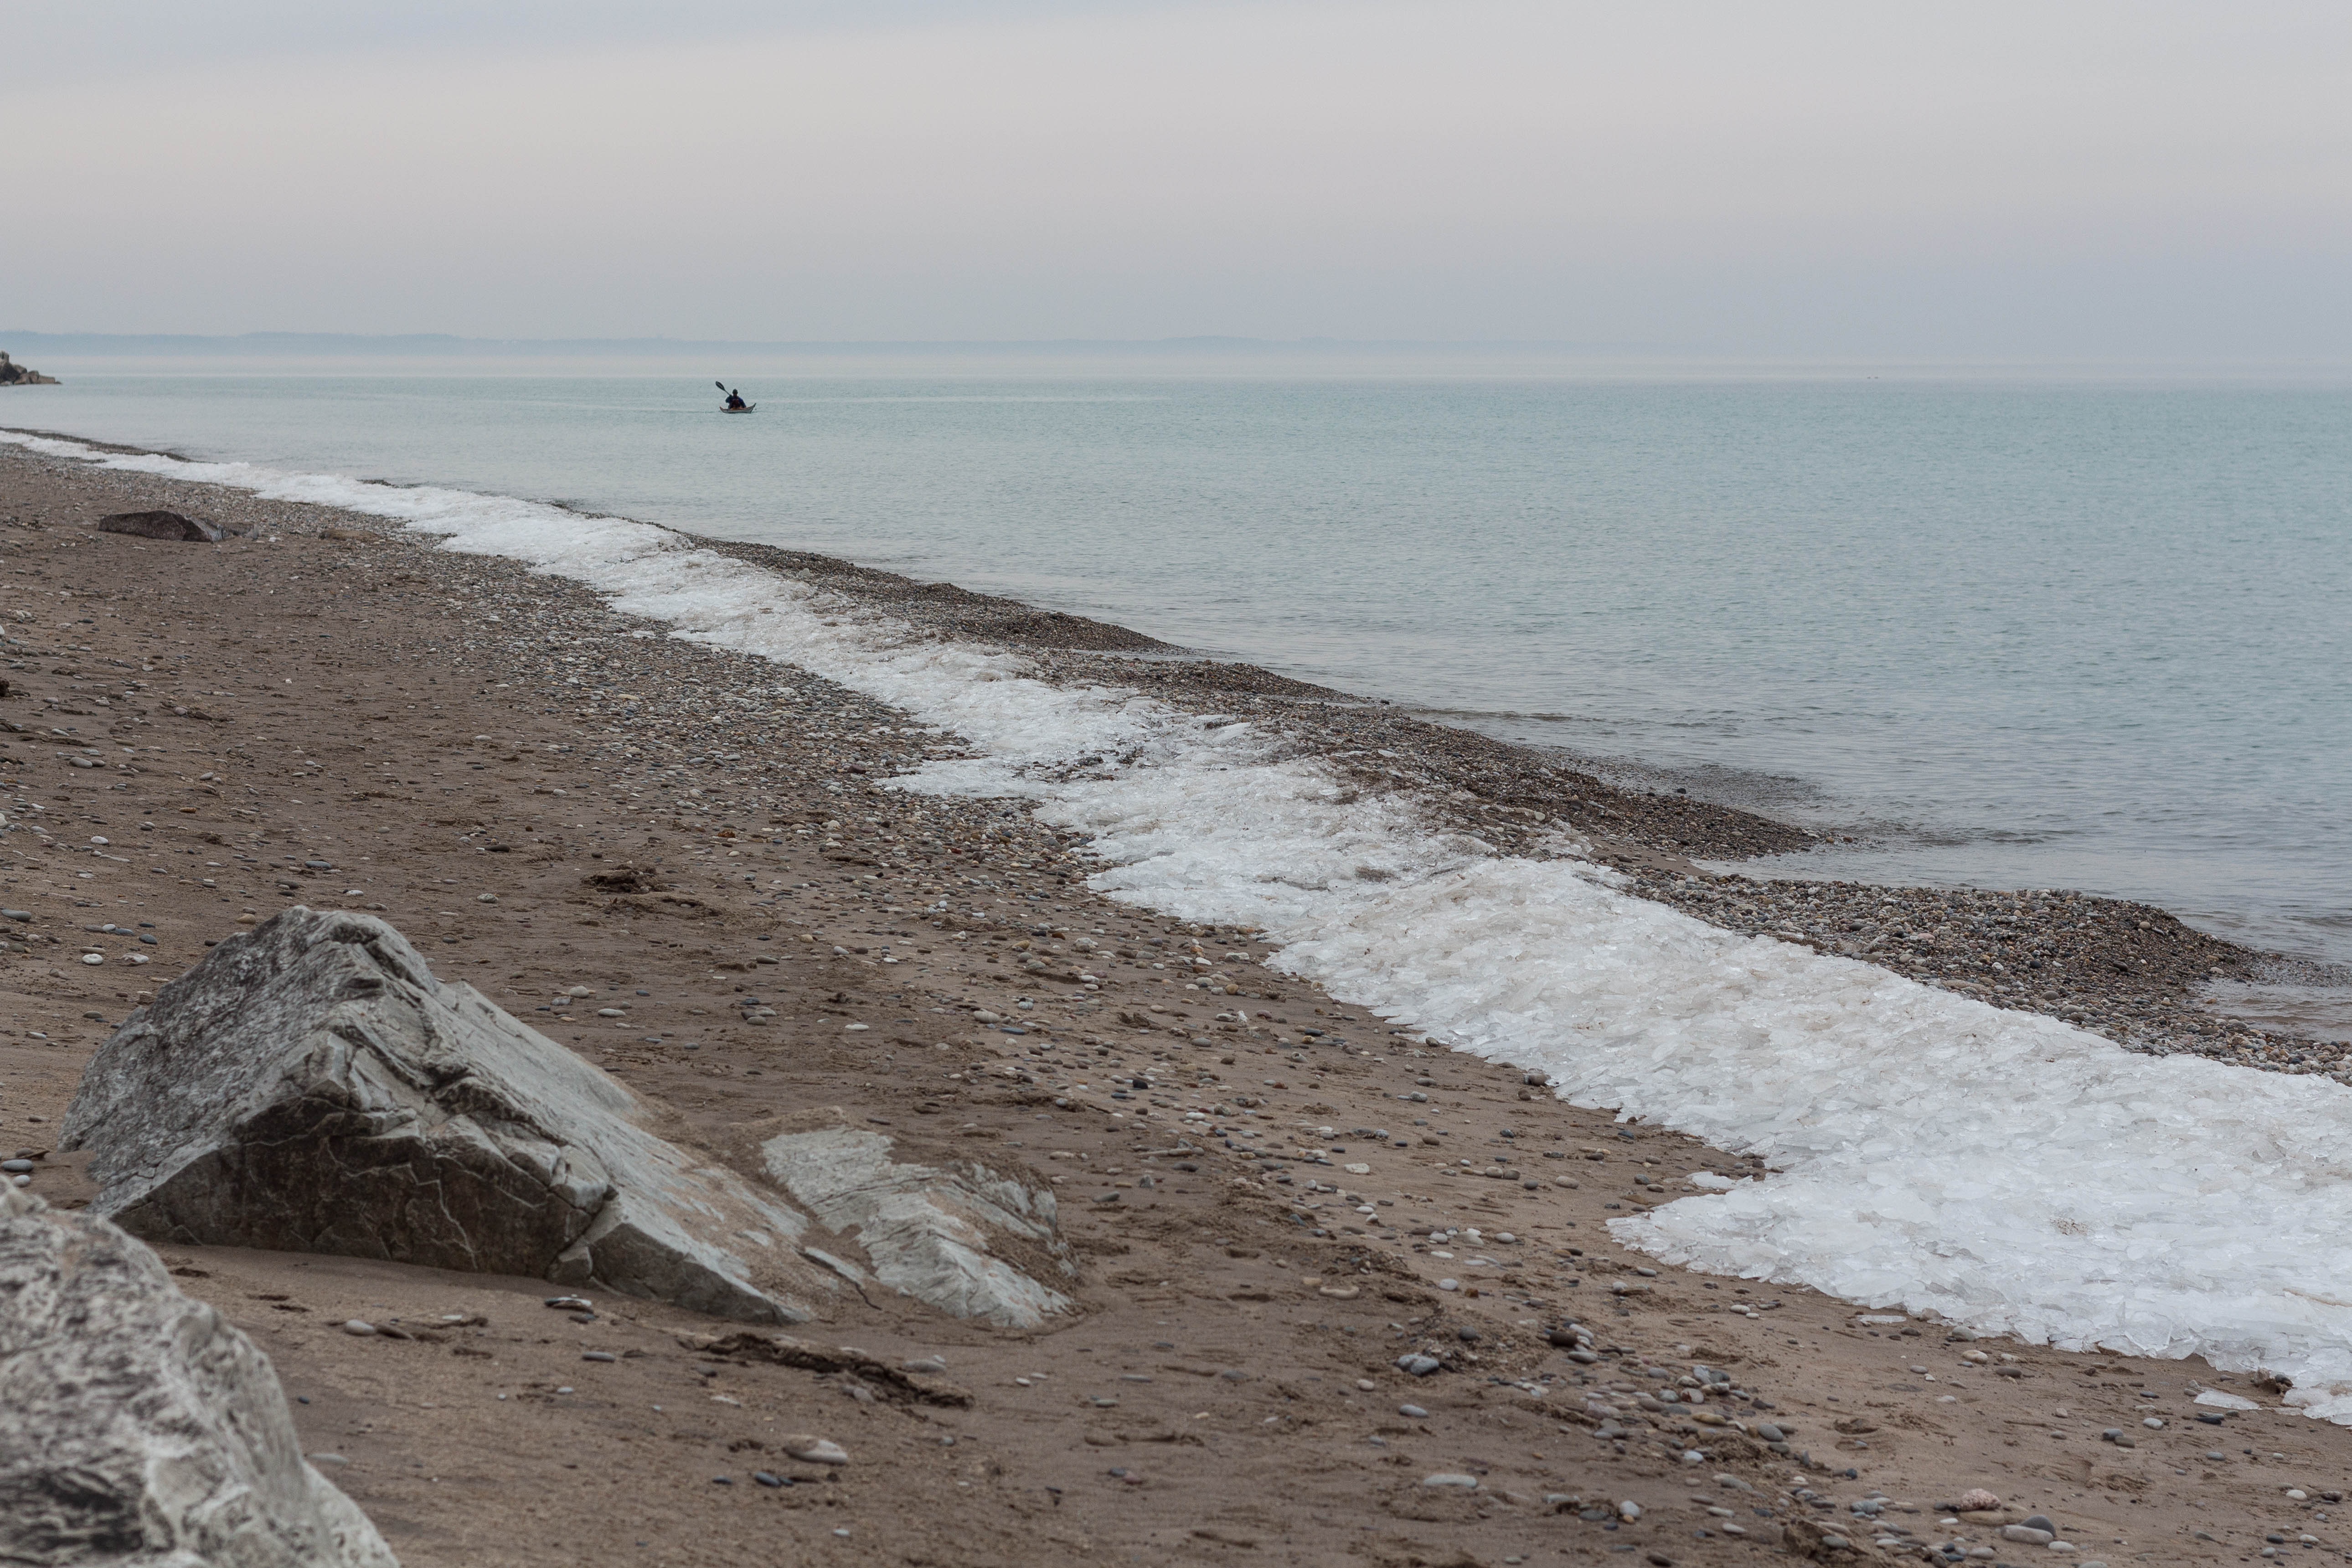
[{"x": 1983, "y": 180}]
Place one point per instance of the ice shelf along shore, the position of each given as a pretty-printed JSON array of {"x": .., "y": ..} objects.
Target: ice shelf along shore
[{"x": 1931, "y": 1152}]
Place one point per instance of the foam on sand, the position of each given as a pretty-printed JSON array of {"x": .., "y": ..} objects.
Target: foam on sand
[{"x": 1935, "y": 1153}]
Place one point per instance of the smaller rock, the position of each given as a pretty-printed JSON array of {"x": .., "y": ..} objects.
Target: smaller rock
[
  {"x": 2025, "y": 1536},
  {"x": 812, "y": 1450},
  {"x": 768, "y": 1478},
  {"x": 598, "y": 1355},
  {"x": 1412, "y": 1412},
  {"x": 931, "y": 1364},
  {"x": 358, "y": 1328},
  {"x": 1419, "y": 1365},
  {"x": 570, "y": 1303},
  {"x": 163, "y": 525},
  {"x": 1450, "y": 1478},
  {"x": 1977, "y": 1501}
]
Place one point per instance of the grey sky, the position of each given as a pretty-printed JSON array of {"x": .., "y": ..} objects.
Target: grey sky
[{"x": 1992, "y": 180}]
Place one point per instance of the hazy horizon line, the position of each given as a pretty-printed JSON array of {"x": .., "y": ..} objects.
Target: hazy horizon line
[{"x": 295, "y": 344}]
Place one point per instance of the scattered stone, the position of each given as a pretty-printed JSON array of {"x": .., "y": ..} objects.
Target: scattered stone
[
  {"x": 1451, "y": 1478},
  {"x": 1412, "y": 1412},
  {"x": 812, "y": 1450},
  {"x": 359, "y": 1329}
]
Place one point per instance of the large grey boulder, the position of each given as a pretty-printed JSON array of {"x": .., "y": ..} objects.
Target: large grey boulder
[
  {"x": 958, "y": 1235},
  {"x": 310, "y": 1086},
  {"x": 138, "y": 1429}
]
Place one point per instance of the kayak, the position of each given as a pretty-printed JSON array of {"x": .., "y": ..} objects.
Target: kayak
[{"x": 745, "y": 409}]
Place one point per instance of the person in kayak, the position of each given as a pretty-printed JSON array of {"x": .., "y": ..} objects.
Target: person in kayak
[{"x": 735, "y": 400}]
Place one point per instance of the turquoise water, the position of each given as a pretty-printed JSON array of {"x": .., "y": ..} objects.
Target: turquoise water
[{"x": 2077, "y": 633}]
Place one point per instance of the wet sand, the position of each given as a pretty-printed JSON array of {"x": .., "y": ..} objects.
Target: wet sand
[{"x": 323, "y": 712}]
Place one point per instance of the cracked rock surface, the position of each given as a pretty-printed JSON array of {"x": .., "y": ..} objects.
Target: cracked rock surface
[
  {"x": 139, "y": 1428},
  {"x": 312, "y": 1087},
  {"x": 944, "y": 1233}
]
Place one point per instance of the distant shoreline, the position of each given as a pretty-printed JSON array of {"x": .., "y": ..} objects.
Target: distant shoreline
[{"x": 1604, "y": 361}]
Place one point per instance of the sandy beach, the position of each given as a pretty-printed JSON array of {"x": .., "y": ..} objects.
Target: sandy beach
[{"x": 683, "y": 864}]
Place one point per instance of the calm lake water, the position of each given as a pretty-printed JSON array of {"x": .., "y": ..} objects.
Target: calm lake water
[{"x": 2081, "y": 632}]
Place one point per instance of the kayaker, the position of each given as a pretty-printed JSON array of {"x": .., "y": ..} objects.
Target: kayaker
[{"x": 735, "y": 400}]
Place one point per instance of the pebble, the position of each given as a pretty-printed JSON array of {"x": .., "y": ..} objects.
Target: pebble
[
  {"x": 812, "y": 1450},
  {"x": 930, "y": 1363},
  {"x": 359, "y": 1329},
  {"x": 570, "y": 1303},
  {"x": 1419, "y": 1365},
  {"x": 767, "y": 1479},
  {"x": 15, "y": 1165},
  {"x": 1414, "y": 1412},
  {"x": 598, "y": 1355},
  {"x": 1451, "y": 1478}
]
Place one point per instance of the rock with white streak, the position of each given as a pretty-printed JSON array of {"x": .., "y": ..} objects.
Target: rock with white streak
[
  {"x": 138, "y": 1429},
  {"x": 957, "y": 1235},
  {"x": 312, "y": 1087}
]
